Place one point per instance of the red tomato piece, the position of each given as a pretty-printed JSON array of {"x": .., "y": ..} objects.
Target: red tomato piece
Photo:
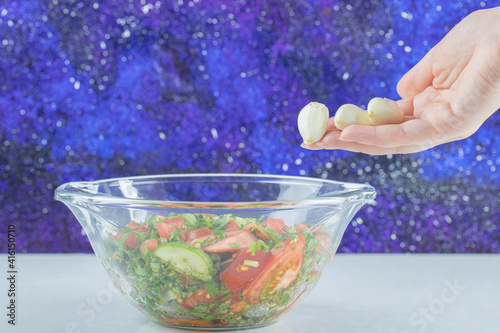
[
  {"x": 208, "y": 215},
  {"x": 202, "y": 240},
  {"x": 232, "y": 226},
  {"x": 277, "y": 225},
  {"x": 131, "y": 242},
  {"x": 116, "y": 237},
  {"x": 200, "y": 296},
  {"x": 238, "y": 274},
  {"x": 149, "y": 244},
  {"x": 234, "y": 241},
  {"x": 281, "y": 270},
  {"x": 138, "y": 226},
  {"x": 165, "y": 230},
  {"x": 177, "y": 221},
  {"x": 196, "y": 233}
]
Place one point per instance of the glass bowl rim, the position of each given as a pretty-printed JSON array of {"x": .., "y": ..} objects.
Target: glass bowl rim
[{"x": 78, "y": 191}]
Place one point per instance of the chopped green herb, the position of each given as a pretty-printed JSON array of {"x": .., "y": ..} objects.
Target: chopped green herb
[{"x": 257, "y": 246}]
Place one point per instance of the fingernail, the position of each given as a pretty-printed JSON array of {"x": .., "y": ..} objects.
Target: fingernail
[
  {"x": 309, "y": 147},
  {"x": 342, "y": 138}
]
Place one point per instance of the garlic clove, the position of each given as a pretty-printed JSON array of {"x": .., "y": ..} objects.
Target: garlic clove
[
  {"x": 350, "y": 114},
  {"x": 384, "y": 111},
  {"x": 312, "y": 122}
]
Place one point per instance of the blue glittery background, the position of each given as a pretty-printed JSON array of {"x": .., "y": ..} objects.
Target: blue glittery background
[{"x": 99, "y": 89}]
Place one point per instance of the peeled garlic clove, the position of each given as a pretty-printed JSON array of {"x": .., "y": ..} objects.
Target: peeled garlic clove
[
  {"x": 350, "y": 114},
  {"x": 384, "y": 111},
  {"x": 312, "y": 122}
]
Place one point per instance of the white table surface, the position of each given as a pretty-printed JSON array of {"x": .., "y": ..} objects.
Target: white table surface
[{"x": 358, "y": 293}]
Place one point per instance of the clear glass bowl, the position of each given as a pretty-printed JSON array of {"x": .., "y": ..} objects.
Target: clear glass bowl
[{"x": 214, "y": 251}]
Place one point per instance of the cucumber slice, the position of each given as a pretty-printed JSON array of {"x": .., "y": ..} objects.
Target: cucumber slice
[{"x": 186, "y": 259}]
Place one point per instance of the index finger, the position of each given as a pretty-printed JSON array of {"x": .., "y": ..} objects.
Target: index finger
[{"x": 416, "y": 79}]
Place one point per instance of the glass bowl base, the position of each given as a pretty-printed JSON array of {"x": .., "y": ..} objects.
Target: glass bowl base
[{"x": 238, "y": 328}]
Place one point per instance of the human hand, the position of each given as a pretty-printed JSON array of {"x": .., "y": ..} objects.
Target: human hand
[{"x": 446, "y": 97}]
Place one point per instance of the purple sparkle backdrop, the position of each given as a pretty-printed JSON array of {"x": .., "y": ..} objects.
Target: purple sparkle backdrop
[{"x": 92, "y": 90}]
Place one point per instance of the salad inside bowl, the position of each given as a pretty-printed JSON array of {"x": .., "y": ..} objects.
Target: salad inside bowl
[{"x": 214, "y": 251}]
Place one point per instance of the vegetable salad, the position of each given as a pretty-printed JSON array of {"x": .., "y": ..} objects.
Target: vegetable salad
[{"x": 204, "y": 270}]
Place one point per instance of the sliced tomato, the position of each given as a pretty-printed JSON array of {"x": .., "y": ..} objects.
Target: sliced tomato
[
  {"x": 167, "y": 226},
  {"x": 200, "y": 241},
  {"x": 234, "y": 241},
  {"x": 196, "y": 233},
  {"x": 138, "y": 226},
  {"x": 281, "y": 270},
  {"x": 231, "y": 226},
  {"x": 244, "y": 268},
  {"x": 177, "y": 221},
  {"x": 200, "y": 296},
  {"x": 165, "y": 230},
  {"x": 149, "y": 244},
  {"x": 132, "y": 240},
  {"x": 116, "y": 237},
  {"x": 277, "y": 225}
]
